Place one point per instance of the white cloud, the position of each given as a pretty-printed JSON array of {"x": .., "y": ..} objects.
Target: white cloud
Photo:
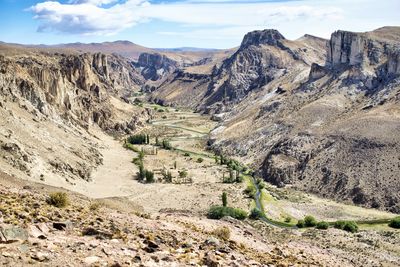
[{"x": 91, "y": 17}]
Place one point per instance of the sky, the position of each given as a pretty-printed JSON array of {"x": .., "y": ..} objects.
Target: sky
[{"x": 185, "y": 23}]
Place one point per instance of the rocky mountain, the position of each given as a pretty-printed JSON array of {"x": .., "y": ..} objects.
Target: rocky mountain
[
  {"x": 318, "y": 115},
  {"x": 56, "y": 100}
]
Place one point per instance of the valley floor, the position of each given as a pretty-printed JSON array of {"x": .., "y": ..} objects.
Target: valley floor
[{"x": 153, "y": 224}]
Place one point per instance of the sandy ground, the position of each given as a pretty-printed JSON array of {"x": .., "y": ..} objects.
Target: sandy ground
[{"x": 116, "y": 176}]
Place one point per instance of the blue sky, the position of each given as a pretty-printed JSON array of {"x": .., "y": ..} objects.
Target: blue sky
[{"x": 178, "y": 23}]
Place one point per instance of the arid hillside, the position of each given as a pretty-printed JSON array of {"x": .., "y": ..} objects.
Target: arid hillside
[
  {"x": 51, "y": 104},
  {"x": 320, "y": 115}
]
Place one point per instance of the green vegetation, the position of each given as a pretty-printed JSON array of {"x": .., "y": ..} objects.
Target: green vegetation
[
  {"x": 58, "y": 199},
  {"x": 166, "y": 145},
  {"x": 322, "y": 225},
  {"x": 255, "y": 214},
  {"x": 301, "y": 224},
  {"x": 183, "y": 174},
  {"x": 218, "y": 212},
  {"x": 395, "y": 223},
  {"x": 145, "y": 175},
  {"x": 310, "y": 221},
  {"x": 167, "y": 175},
  {"x": 187, "y": 154},
  {"x": 137, "y": 139},
  {"x": 348, "y": 226},
  {"x": 224, "y": 199},
  {"x": 200, "y": 160},
  {"x": 149, "y": 176},
  {"x": 250, "y": 191}
]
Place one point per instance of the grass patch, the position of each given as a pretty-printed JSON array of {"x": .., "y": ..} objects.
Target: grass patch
[
  {"x": 218, "y": 212},
  {"x": 58, "y": 199}
]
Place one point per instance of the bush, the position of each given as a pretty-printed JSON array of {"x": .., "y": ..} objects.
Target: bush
[
  {"x": 351, "y": 227},
  {"x": 58, "y": 199},
  {"x": 310, "y": 221},
  {"x": 166, "y": 145},
  {"x": 95, "y": 206},
  {"x": 141, "y": 175},
  {"x": 223, "y": 233},
  {"x": 224, "y": 199},
  {"x": 339, "y": 224},
  {"x": 218, "y": 212},
  {"x": 322, "y": 225},
  {"x": 395, "y": 223},
  {"x": 200, "y": 160},
  {"x": 186, "y": 154},
  {"x": 149, "y": 176},
  {"x": 255, "y": 214},
  {"x": 137, "y": 139},
  {"x": 348, "y": 226},
  {"x": 250, "y": 191},
  {"x": 301, "y": 224},
  {"x": 239, "y": 178},
  {"x": 183, "y": 174}
]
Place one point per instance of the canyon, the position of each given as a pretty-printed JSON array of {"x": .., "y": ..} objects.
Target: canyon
[{"x": 314, "y": 121}]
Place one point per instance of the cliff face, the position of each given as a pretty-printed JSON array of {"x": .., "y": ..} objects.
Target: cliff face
[
  {"x": 50, "y": 103},
  {"x": 331, "y": 129},
  {"x": 72, "y": 85},
  {"x": 155, "y": 66},
  {"x": 374, "y": 61}
]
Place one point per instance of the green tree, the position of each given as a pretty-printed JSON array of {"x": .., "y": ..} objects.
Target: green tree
[
  {"x": 142, "y": 173},
  {"x": 255, "y": 214},
  {"x": 310, "y": 221},
  {"x": 224, "y": 199},
  {"x": 149, "y": 176},
  {"x": 395, "y": 223}
]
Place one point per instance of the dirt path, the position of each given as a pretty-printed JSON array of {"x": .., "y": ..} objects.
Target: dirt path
[{"x": 116, "y": 176}]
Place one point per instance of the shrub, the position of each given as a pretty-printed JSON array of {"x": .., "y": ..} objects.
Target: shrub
[
  {"x": 310, "y": 221},
  {"x": 250, "y": 191},
  {"x": 223, "y": 233},
  {"x": 255, "y": 214},
  {"x": 149, "y": 176},
  {"x": 141, "y": 175},
  {"x": 395, "y": 223},
  {"x": 339, "y": 224},
  {"x": 186, "y": 154},
  {"x": 200, "y": 160},
  {"x": 218, "y": 212},
  {"x": 351, "y": 227},
  {"x": 348, "y": 226},
  {"x": 95, "y": 206},
  {"x": 183, "y": 174},
  {"x": 137, "y": 139},
  {"x": 301, "y": 224},
  {"x": 58, "y": 199},
  {"x": 322, "y": 225},
  {"x": 166, "y": 145},
  {"x": 239, "y": 178},
  {"x": 224, "y": 199}
]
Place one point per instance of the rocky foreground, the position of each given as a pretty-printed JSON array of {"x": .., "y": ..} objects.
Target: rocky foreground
[{"x": 106, "y": 233}]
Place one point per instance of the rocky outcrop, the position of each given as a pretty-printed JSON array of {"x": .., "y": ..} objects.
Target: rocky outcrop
[
  {"x": 371, "y": 62},
  {"x": 267, "y": 37},
  {"x": 76, "y": 86},
  {"x": 155, "y": 66}
]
